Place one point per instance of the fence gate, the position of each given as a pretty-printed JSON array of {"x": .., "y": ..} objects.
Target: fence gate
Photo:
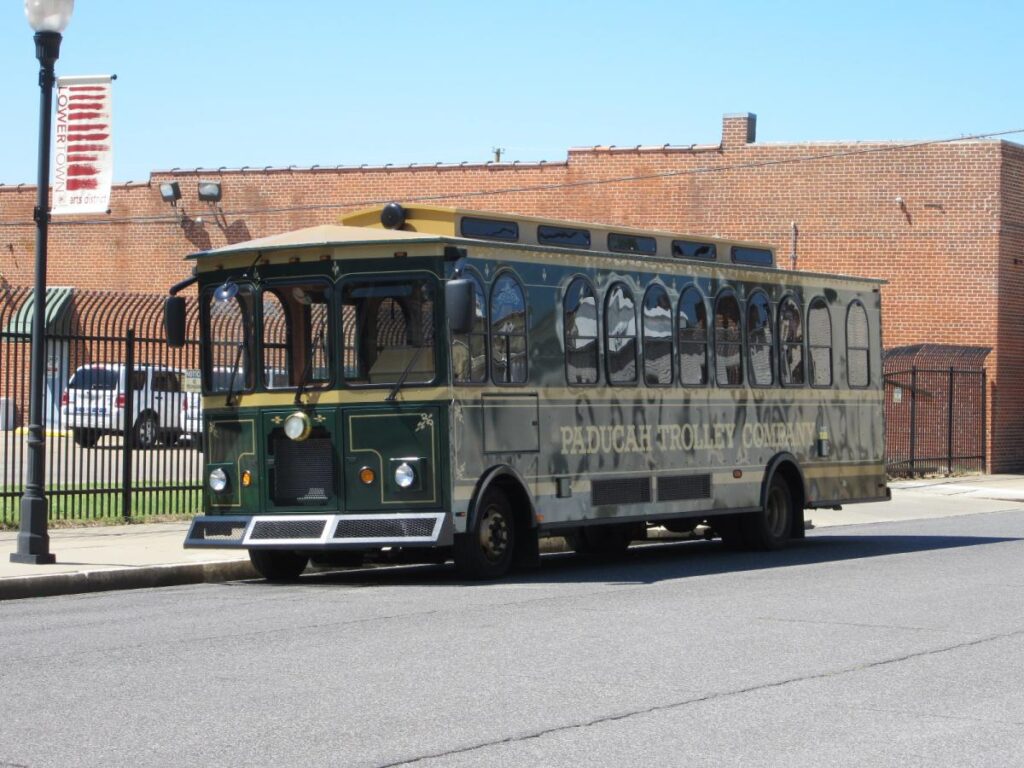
[
  {"x": 114, "y": 444},
  {"x": 935, "y": 416}
]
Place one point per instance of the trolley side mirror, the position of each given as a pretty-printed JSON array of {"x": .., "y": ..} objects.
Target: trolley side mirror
[
  {"x": 459, "y": 300},
  {"x": 174, "y": 321}
]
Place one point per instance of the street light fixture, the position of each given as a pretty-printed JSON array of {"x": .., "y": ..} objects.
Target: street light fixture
[{"x": 48, "y": 18}]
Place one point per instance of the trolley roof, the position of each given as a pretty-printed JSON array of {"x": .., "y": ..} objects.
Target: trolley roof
[{"x": 421, "y": 225}]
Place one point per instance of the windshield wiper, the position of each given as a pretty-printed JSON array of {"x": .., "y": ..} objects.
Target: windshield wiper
[
  {"x": 234, "y": 373},
  {"x": 307, "y": 369},
  {"x": 405, "y": 374}
]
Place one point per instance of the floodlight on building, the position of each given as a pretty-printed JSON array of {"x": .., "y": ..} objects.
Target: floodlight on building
[
  {"x": 209, "y": 191},
  {"x": 170, "y": 192}
]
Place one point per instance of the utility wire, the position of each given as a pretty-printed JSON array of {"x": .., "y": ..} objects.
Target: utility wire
[{"x": 368, "y": 202}]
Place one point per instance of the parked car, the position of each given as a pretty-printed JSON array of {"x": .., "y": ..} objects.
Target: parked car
[{"x": 95, "y": 401}]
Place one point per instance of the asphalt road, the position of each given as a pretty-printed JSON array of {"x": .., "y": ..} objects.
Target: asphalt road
[{"x": 895, "y": 644}]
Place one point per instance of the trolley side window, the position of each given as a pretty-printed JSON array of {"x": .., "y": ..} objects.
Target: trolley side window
[
  {"x": 469, "y": 350},
  {"x": 819, "y": 338},
  {"x": 508, "y": 331},
  {"x": 791, "y": 343},
  {"x": 620, "y": 335},
  {"x": 760, "y": 339},
  {"x": 728, "y": 340},
  {"x": 580, "y": 328},
  {"x": 657, "y": 336},
  {"x": 858, "y": 371},
  {"x": 693, "y": 338}
]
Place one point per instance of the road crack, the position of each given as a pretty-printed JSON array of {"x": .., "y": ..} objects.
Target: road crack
[{"x": 617, "y": 717}]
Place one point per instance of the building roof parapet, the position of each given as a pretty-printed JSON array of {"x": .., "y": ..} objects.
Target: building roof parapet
[
  {"x": 647, "y": 149},
  {"x": 363, "y": 167}
]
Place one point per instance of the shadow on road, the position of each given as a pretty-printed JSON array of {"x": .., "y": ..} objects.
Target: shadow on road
[{"x": 651, "y": 563}]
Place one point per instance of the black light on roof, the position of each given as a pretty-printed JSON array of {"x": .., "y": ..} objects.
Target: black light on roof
[{"x": 392, "y": 216}]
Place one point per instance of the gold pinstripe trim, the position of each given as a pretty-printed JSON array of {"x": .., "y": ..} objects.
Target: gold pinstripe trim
[{"x": 559, "y": 397}]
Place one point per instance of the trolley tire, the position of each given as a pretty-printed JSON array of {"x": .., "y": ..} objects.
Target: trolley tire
[
  {"x": 278, "y": 564},
  {"x": 86, "y": 438},
  {"x": 770, "y": 528},
  {"x": 147, "y": 431},
  {"x": 606, "y": 541},
  {"x": 487, "y": 550}
]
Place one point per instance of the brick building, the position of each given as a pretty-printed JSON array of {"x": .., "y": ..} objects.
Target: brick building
[{"x": 943, "y": 222}]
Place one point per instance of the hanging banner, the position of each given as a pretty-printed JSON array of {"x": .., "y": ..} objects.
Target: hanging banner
[{"x": 84, "y": 158}]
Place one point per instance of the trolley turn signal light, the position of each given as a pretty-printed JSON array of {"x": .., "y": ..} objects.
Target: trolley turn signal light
[
  {"x": 367, "y": 476},
  {"x": 246, "y": 478}
]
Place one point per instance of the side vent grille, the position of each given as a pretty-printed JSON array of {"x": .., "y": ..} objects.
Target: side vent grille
[
  {"x": 627, "y": 490},
  {"x": 684, "y": 487}
]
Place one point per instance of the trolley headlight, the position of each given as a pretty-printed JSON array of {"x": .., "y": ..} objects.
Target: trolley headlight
[
  {"x": 405, "y": 475},
  {"x": 218, "y": 480},
  {"x": 298, "y": 426}
]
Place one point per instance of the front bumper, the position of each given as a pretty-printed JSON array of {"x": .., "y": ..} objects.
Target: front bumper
[{"x": 320, "y": 532}]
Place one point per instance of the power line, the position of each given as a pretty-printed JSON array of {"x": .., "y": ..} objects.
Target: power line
[{"x": 365, "y": 203}]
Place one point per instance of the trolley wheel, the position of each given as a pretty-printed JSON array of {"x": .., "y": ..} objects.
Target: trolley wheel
[
  {"x": 486, "y": 551},
  {"x": 770, "y": 528},
  {"x": 278, "y": 564},
  {"x": 602, "y": 540},
  {"x": 147, "y": 431},
  {"x": 87, "y": 438}
]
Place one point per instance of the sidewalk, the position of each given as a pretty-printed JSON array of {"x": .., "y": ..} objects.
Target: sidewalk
[{"x": 151, "y": 554}]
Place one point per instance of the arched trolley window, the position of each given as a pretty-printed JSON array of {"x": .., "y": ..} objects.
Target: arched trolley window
[
  {"x": 580, "y": 328},
  {"x": 791, "y": 343},
  {"x": 508, "y": 331},
  {"x": 620, "y": 335},
  {"x": 858, "y": 365},
  {"x": 819, "y": 343},
  {"x": 760, "y": 339},
  {"x": 657, "y": 336},
  {"x": 728, "y": 340},
  {"x": 469, "y": 350},
  {"x": 693, "y": 338}
]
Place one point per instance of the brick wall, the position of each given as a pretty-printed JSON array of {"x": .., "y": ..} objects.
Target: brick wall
[{"x": 943, "y": 223}]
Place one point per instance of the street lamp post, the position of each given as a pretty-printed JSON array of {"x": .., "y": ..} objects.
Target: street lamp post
[{"x": 48, "y": 18}]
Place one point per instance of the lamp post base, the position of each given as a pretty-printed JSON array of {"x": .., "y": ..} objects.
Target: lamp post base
[
  {"x": 43, "y": 559},
  {"x": 33, "y": 541}
]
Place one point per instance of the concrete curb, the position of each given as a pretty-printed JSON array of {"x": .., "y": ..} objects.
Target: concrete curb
[
  {"x": 151, "y": 576},
  {"x": 143, "y": 577}
]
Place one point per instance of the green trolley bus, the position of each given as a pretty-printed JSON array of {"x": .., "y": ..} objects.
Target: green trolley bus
[{"x": 458, "y": 384}]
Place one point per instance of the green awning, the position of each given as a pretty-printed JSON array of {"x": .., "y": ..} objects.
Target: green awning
[{"x": 58, "y": 315}]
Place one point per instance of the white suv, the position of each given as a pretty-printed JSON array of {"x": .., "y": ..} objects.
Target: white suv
[{"x": 95, "y": 400}]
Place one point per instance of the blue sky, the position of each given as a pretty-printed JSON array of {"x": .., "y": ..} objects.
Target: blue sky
[{"x": 253, "y": 82}]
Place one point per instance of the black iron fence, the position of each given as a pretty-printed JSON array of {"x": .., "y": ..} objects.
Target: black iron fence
[
  {"x": 934, "y": 421},
  {"x": 119, "y": 422}
]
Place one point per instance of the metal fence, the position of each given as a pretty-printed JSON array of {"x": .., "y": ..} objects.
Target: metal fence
[
  {"x": 115, "y": 447},
  {"x": 935, "y": 421}
]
